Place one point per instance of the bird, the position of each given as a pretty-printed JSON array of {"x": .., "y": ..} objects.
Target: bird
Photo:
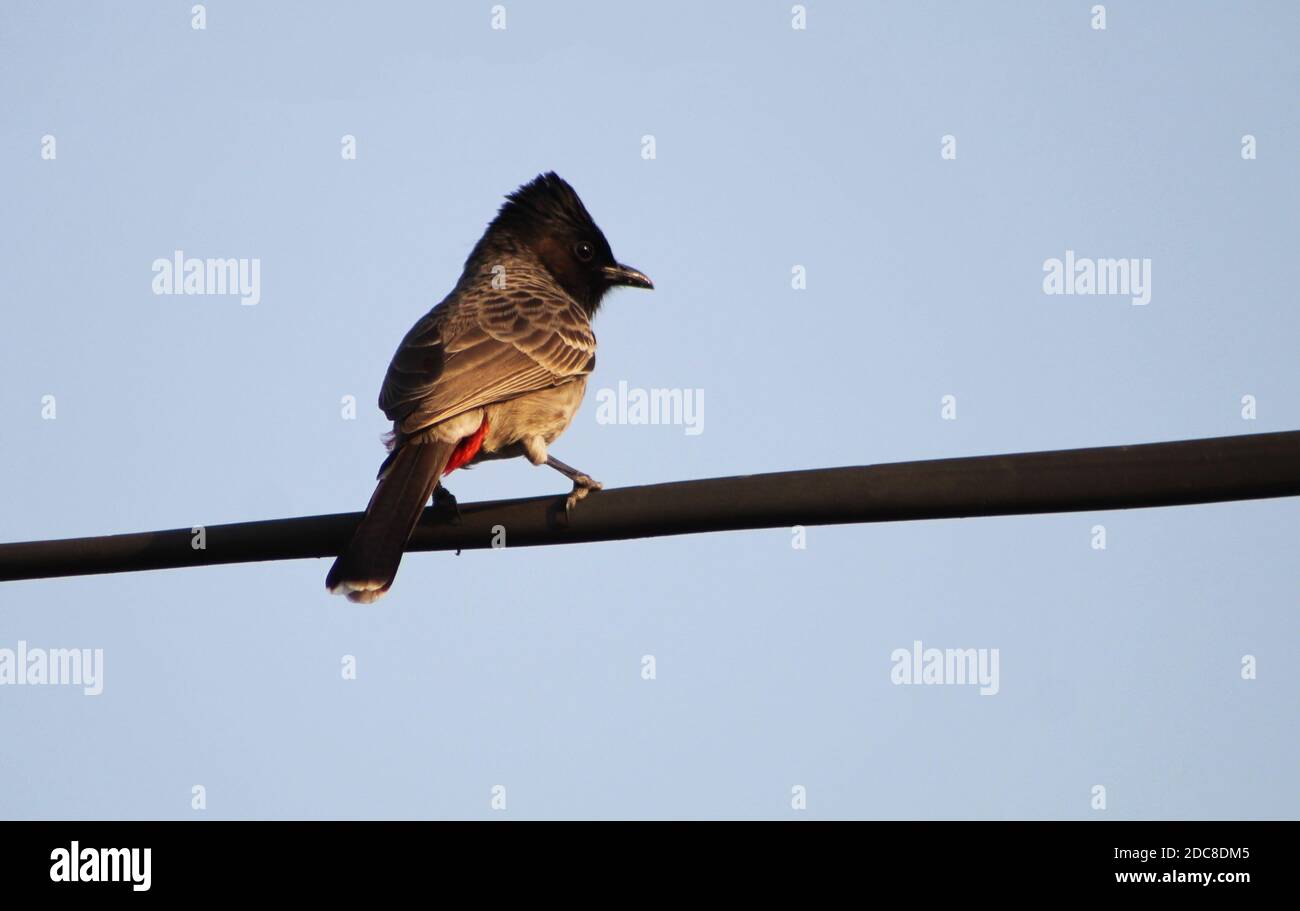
[{"x": 496, "y": 370}]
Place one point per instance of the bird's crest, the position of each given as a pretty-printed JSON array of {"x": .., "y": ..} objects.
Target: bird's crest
[{"x": 546, "y": 204}]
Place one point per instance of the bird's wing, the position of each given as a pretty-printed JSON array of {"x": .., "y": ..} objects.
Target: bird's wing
[{"x": 480, "y": 347}]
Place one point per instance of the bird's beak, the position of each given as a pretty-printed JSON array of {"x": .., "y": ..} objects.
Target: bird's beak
[{"x": 626, "y": 275}]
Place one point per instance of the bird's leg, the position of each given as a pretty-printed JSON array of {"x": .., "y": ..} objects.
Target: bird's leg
[
  {"x": 445, "y": 501},
  {"x": 583, "y": 483}
]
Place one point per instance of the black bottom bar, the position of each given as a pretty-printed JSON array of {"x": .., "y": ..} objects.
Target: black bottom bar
[{"x": 1170, "y": 861}]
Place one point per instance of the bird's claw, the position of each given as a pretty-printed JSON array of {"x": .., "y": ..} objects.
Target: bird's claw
[
  {"x": 582, "y": 485},
  {"x": 445, "y": 502}
]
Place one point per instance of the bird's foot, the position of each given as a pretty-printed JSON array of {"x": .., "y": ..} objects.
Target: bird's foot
[
  {"x": 444, "y": 503},
  {"x": 582, "y": 485}
]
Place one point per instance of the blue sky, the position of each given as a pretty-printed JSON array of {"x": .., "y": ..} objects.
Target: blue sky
[{"x": 774, "y": 147}]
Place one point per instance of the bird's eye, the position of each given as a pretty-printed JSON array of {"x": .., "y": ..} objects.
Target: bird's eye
[{"x": 584, "y": 251}]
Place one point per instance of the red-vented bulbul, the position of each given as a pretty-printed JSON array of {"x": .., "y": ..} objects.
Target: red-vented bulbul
[{"x": 496, "y": 370}]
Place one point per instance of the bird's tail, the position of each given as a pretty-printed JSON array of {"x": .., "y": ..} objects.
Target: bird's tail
[{"x": 365, "y": 571}]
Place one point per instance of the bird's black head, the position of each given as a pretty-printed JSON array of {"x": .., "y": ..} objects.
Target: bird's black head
[{"x": 547, "y": 216}]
